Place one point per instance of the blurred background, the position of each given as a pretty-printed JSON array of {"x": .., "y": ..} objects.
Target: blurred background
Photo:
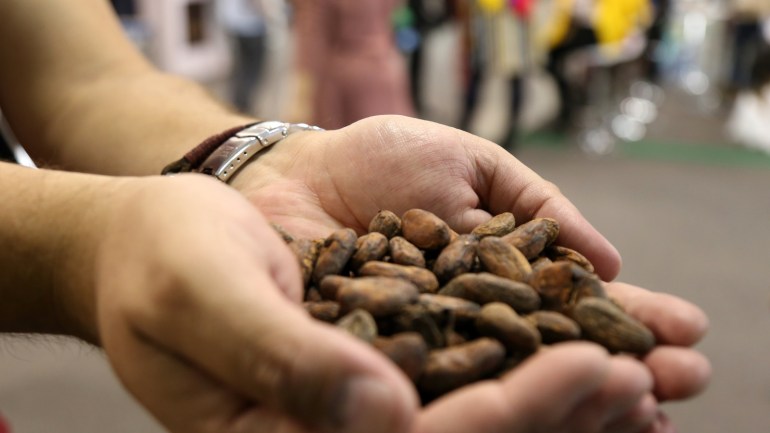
[{"x": 653, "y": 116}]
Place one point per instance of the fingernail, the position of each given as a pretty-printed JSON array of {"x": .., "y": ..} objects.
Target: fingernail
[{"x": 368, "y": 406}]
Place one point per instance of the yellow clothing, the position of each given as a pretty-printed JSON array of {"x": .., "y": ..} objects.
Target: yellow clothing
[{"x": 617, "y": 19}]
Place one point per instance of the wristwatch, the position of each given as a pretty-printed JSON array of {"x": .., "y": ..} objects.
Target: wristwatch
[{"x": 227, "y": 152}]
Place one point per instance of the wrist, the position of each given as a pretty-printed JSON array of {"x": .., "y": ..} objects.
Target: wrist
[{"x": 51, "y": 226}]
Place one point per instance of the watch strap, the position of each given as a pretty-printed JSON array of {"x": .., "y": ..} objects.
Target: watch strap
[{"x": 223, "y": 154}]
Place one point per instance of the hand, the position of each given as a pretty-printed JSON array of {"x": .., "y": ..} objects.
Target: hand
[
  {"x": 314, "y": 182},
  {"x": 197, "y": 309}
]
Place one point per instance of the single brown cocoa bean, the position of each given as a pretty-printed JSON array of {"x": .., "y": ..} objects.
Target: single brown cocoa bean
[
  {"x": 381, "y": 296},
  {"x": 403, "y": 252},
  {"x": 484, "y": 288},
  {"x": 326, "y": 311},
  {"x": 407, "y": 350},
  {"x": 456, "y": 258},
  {"x": 359, "y": 323},
  {"x": 500, "y": 258},
  {"x": 450, "y": 368},
  {"x": 532, "y": 237},
  {"x": 424, "y": 279},
  {"x": 554, "y": 327},
  {"x": 425, "y": 230},
  {"x": 306, "y": 251},
  {"x": 557, "y": 253},
  {"x": 604, "y": 323},
  {"x": 499, "y": 321},
  {"x": 499, "y": 225},
  {"x": 562, "y": 284},
  {"x": 371, "y": 246},
  {"x": 334, "y": 255},
  {"x": 385, "y": 222}
]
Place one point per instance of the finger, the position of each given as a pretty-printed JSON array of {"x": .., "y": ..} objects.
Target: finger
[
  {"x": 637, "y": 420},
  {"x": 662, "y": 424},
  {"x": 679, "y": 373},
  {"x": 184, "y": 399},
  {"x": 251, "y": 337},
  {"x": 177, "y": 394},
  {"x": 537, "y": 396},
  {"x": 625, "y": 386},
  {"x": 272, "y": 352},
  {"x": 468, "y": 219},
  {"x": 513, "y": 187},
  {"x": 672, "y": 319}
]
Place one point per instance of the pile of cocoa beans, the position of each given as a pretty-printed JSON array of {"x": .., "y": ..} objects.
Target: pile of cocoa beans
[{"x": 450, "y": 309}]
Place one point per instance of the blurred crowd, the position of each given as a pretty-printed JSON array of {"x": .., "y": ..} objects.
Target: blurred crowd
[{"x": 600, "y": 65}]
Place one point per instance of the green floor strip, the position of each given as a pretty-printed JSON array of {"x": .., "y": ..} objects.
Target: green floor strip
[{"x": 701, "y": 153}]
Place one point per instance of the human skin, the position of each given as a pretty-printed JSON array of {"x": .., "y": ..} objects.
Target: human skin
[{"x": 185, "y": 274}]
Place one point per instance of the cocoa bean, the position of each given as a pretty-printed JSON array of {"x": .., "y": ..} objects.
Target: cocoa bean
[
  {"x": 450, "y": 368},
  {"x": 603, "y": 322},
  {"x": 425, "y": 230},
  {"x": 554, "y": 327},
  {"x": 500, "y": 258},
  {"x": 532, "y": 237},
  {"x": 380, "y": 296},
  {"x": 385, "y": 222},
  {"x": 500, "y": 321},
  {"x": 562, "y": 284},
  {"x": 407, "y": 350},
  {"x": 334, "y": 255},
  {"x": 359, "y": 323},
  {"x": 499, "y": 225},
  {"x": 424, "y": 279},
  {"x": 306, "y": 251},
  {"x": 557, "y": 253},
  {"x": 403, "y": 252},
  {"x": 325, "y": 311},
  {"x": 371, "y": 246},
  {"x": 456, "y": 258},
  {"x": 484, "y": 288}
]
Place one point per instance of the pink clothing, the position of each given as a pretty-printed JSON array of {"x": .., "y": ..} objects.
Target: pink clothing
[
  {"x": 3, "y": 426},
  {"x": 348, "y": 48}
]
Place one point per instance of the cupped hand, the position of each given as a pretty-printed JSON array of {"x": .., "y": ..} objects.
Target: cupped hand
[
  {"x": 198, "y": 312},
  {"x": 315, "y": 181}
]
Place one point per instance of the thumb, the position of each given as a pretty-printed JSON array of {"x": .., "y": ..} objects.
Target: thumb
[
  {"x": 262, "y": 346},
  {"x": 538, "y": 396}
]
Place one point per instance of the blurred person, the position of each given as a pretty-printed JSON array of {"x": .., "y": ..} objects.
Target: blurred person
[
  {"x": 347, "y": 53},
  {"x": 193, "y": 296},
  {"x": 610, "y": 28},
  {"x": 428, "y": 16},
  {"x": 747, "y": 18},
  {"x": 244, "y": 22},
  {"x": 500, "y": 46}
]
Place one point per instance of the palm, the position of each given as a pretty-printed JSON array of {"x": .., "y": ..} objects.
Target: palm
[{"x": 370, "y": 166}]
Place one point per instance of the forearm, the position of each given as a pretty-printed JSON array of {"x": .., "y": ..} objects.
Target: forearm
[
  {"x": 49, "y": 225},
  {"x": 81, "y": 97}
]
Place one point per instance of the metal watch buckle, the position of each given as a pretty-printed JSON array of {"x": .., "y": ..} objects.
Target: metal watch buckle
[{"x": 246, "y": 143}]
